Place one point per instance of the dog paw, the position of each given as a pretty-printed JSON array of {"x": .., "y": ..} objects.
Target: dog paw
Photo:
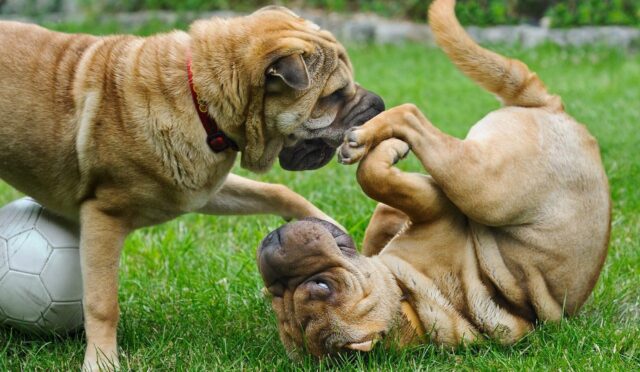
[
  {"x": 398, "y": 149},
  {"x": 349, "y": 155},
  {"x": 96, "y": 360},
  {"x": 354, "y": 147},
  {"x": 102, "y": 366}
]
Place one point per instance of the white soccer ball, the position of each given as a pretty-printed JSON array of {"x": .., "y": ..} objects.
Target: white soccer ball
[{"x": 40, "y": 279}]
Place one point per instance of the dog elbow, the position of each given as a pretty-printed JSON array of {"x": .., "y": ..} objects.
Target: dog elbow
[{"x": 372, "y": 181}]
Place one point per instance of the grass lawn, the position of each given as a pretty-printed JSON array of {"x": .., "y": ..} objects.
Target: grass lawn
[{"x": 190, "y": 291}]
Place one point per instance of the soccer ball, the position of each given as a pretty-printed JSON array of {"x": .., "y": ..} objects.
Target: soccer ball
[{"x": 40, "y": 279}]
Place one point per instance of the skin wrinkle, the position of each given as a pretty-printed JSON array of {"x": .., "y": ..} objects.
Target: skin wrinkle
[
  {"x": 116, "y": 78},
  {"x": 57, "y": 61},
  {"x": 368, "y": 305},
  {"x": 166, "y": 93},
  {"x": 71, "y": 75},
  {"x": 108, "y": 85}
]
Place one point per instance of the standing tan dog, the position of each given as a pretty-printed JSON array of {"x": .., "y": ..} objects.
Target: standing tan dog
[
  {"x": 112, "y": 131},
  {"x": 510, "y": 227}
]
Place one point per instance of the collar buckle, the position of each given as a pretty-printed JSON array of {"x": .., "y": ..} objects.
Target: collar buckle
[{"x": 218, "y": 142}]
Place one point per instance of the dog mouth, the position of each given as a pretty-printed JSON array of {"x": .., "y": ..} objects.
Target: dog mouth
[
  {"x": 319, "y": 144},
  {"x": 314, "y": 153},
  {"x": 365, "y": 344},
  {"x": 306, "y": 155}
]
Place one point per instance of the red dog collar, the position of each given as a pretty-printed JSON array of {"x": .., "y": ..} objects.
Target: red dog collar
[{"x": 216, "y": 139}]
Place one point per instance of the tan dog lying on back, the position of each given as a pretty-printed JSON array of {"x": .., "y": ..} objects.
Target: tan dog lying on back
[
  {"x": 107, "y": 131},
  {"x": 510, "y": 227}
]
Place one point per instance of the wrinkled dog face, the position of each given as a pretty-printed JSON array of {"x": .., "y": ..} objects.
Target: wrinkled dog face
[
  {"x": 293, "y": 81},
  {"x": 326, "y": 296},
  {"x": 312, "y": 99},
  {"x": 315, "y": 121}
]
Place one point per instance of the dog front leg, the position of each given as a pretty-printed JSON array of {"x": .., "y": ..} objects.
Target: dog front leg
[
  {"x": 406, "y": 123},
  {"x": 493, "y": 179},
  {"x": 101, "y": 240},
  {"x": 242, "y": 196},
  {"x": 416, "y": 195}
]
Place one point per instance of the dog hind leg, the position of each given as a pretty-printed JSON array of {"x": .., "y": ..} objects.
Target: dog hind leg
[{"x": 416, "y": 195}]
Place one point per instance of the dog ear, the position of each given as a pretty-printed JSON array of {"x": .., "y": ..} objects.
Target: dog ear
[{"x": 292, "y": 70}]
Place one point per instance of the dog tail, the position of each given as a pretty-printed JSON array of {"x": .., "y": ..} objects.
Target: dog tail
[{"x": 509, "y": 79}]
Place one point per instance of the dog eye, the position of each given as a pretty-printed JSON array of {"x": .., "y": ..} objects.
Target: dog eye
[
  {"x": 321, "y": 284},
  {"x": 336, "y": 95},
  {"x": 318, "y": 289}
]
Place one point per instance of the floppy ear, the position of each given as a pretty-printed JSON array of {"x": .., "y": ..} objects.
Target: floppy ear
[
  {"x": 258, "y": 153},
  {"x": 292, "y": 70}
]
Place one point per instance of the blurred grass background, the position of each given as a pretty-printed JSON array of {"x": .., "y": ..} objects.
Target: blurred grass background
[
  {"x": 562, "y": 13},
  {"x": 190, "y": 291}
]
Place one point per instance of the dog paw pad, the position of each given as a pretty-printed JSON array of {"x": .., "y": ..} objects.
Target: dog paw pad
[
  {"x": 353, "y": 138},
  {"x": 349, "y": 155}
]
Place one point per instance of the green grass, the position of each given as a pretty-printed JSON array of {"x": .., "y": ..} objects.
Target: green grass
[{"x": 190, "y": 291}]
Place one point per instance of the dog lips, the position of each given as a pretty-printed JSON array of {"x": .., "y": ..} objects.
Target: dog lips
[{"x": 360, "y": 346}]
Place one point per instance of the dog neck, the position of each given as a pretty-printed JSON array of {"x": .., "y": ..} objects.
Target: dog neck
[
  {"x": 409, "y": 328},
  {"x": 410, "y": 313},
  {"x": 217, "y": 140},
  {"x": 406, "y": 328}
]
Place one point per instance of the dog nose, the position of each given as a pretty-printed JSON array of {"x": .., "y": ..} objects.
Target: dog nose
[
  {"x": 271, "y": 258},
  {"x": 271, "y": 241},
  {"x": 298, "y": 249}
]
